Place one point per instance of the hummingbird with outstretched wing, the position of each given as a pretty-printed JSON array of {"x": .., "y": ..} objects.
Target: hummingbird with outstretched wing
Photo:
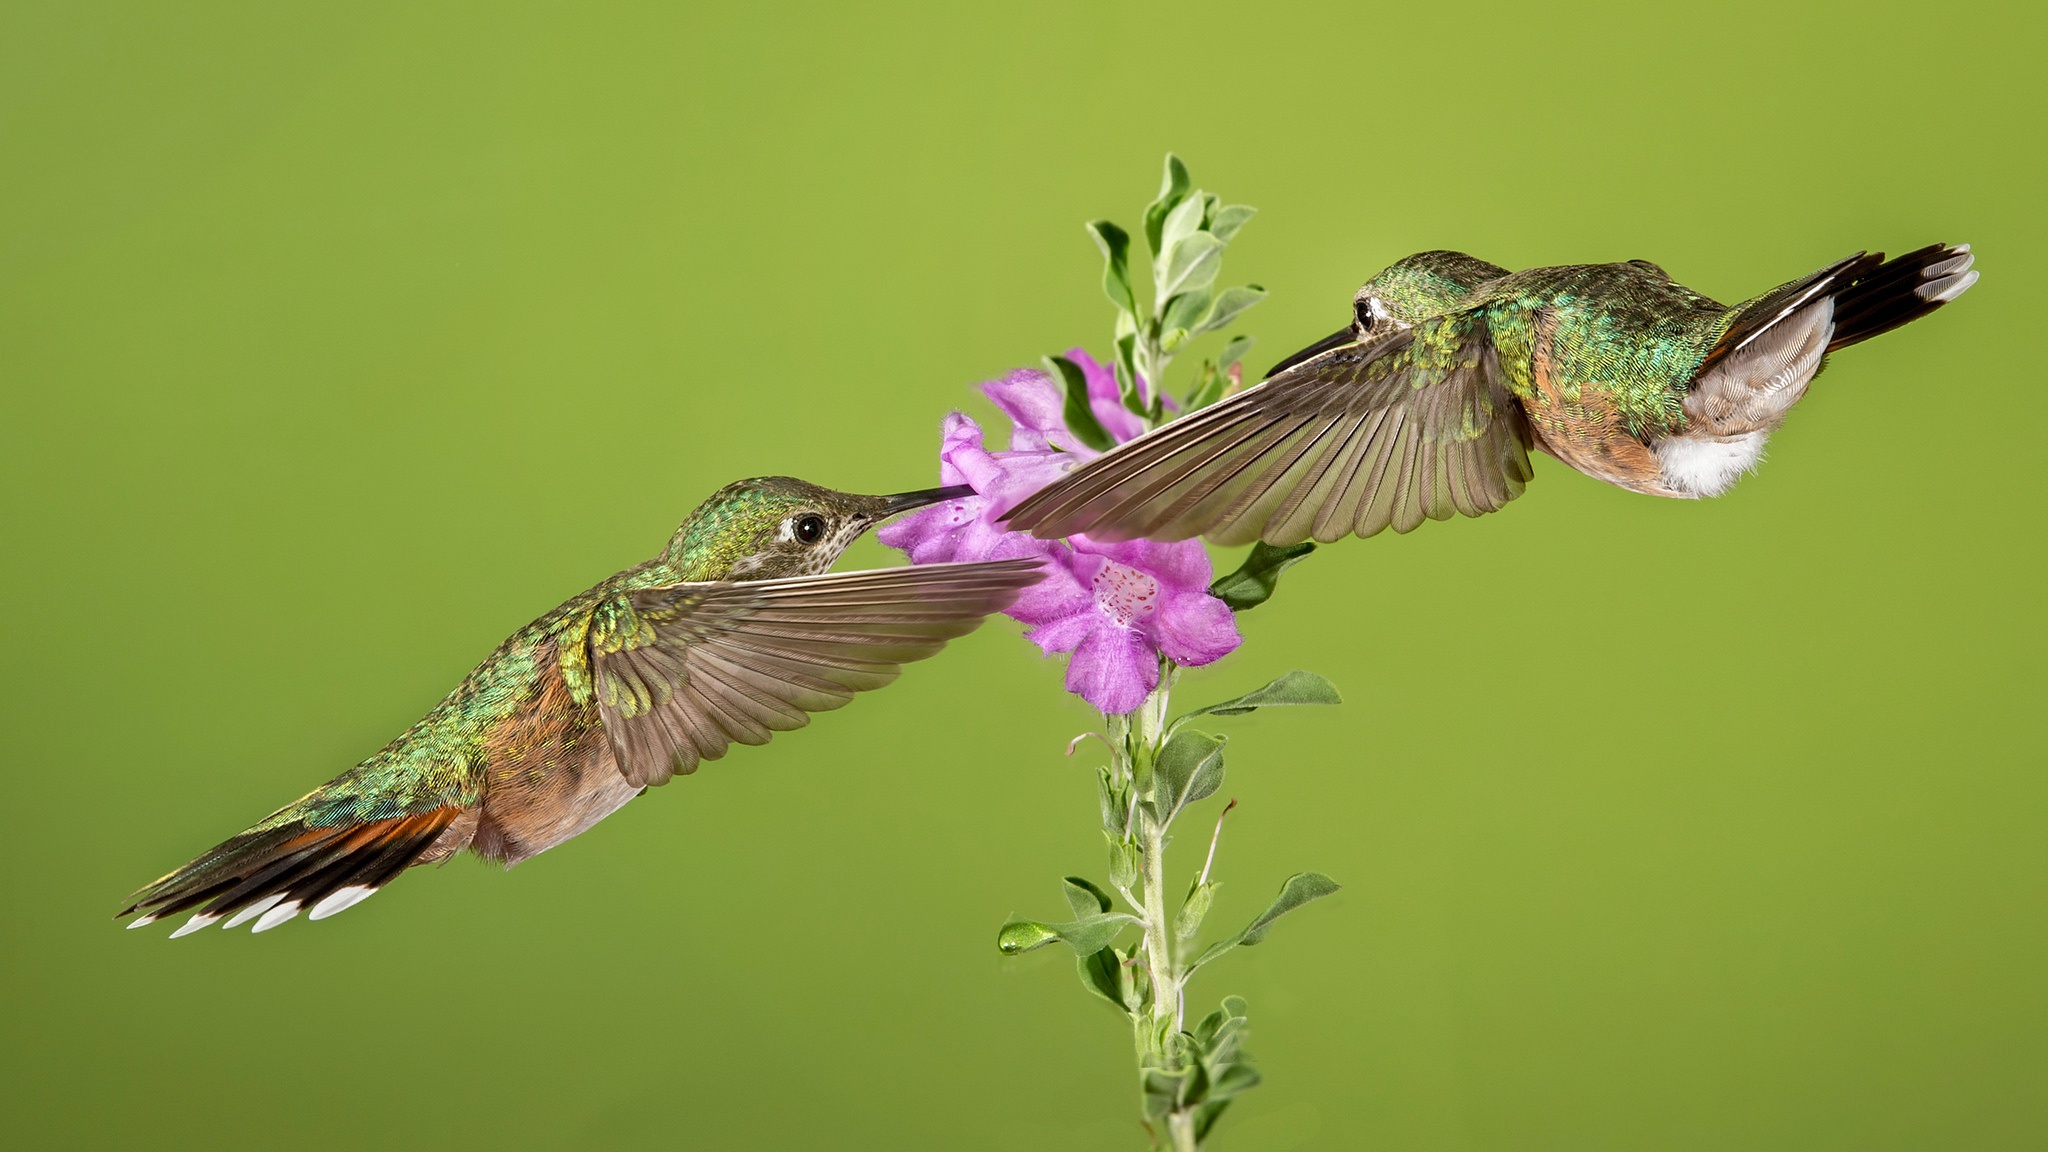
[
  {"x": 735, "y": 632},
  {"x": 1426, "y": 404}
]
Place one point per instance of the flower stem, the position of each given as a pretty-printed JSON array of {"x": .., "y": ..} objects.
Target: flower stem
[{"x": 1156, "y": 1023}]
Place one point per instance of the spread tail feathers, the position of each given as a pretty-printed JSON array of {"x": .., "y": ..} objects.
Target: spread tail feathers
[
  {"x": 273, "y": 873},
  {"x": 1901, "y": 291},
  {"x": 1871, "y": 295}
]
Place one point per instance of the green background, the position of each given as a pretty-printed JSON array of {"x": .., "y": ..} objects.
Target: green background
[{"x": 338, "y": 342}]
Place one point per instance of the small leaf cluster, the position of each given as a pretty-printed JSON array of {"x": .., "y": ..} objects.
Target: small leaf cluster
[
  {"x": 1186, "y": 230},
  {"x": 1205, "y": 1069}
]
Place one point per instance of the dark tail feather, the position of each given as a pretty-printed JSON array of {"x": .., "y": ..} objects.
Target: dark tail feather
[
  {"x": 275, "y": 873},
  {"x": 1755, "y": 317},
  {"x": 1900, "y": 292}
]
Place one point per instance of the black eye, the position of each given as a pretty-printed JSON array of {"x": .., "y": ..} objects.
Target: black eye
[
  {"x": 1362, "y": 309},
  {"x": 809, "y": 528}
]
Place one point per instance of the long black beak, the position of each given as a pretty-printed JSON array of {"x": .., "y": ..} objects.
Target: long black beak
[
  {"x": 905, "y": 501},
  {"x": 1345, "y": 335}
]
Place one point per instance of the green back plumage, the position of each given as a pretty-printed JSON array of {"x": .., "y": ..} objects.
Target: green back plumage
[{"x": 1625, "y": 332}]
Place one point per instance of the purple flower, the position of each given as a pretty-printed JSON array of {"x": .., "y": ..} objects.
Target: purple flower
[{"x": 1116, "y": 607}]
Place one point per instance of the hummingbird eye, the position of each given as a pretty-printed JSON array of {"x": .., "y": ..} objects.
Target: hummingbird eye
[
  {"x": 809, "y": 528},
  {"x": 1365, "y": 311}
]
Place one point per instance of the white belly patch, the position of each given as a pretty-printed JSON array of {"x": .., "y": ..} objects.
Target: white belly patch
[{"x": 1709, "y": 465}]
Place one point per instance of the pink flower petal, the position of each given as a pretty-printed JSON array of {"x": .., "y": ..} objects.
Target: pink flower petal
[
  {"x": 1195, "y": 628},
  {"x": 1113, "y": 668},
  {"x": 1057, "y": 597},
  {"x": 1034, "y": 403},
  {"x": 1180, "y": 564}
]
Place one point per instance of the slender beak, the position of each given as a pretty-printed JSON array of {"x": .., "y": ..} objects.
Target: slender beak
[
  {"x": 1345, "y": 335},
  {"x": 905, "y": 501}
]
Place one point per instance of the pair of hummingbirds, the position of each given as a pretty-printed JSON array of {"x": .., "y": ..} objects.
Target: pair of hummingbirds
[{"x": 1423, "y": 406}]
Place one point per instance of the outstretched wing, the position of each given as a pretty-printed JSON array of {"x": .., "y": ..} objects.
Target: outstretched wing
[
  {"x": 1393, "y": 429},
  {"x": 686, "y": 671}
]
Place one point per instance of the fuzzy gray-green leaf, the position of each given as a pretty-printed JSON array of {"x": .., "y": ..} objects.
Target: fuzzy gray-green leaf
[
  {"x": 1184, "y": 221},
  {"x": 1173, "y": 188},
  {"x": 1188, "y": 920},
  {"x": 1116, "y": 263},
  {"x": 1102, "y": 973},
  {"x": 1300, "y": 888},
  {"x": 1186, "y": 312},
  {"x": 1225, "y": 221},
  {"x": 1294, "y": 688},
  {"x": 1084, "y": 897},
  {"x": 1190, "y": 756},
  {"x": 1123, "y": 863},
  {"x": 1230, "y": 304},
  {"x": 1191, "y": 264}
]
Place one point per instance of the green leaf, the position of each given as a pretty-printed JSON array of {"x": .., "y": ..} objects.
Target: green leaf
[
  {"x": 1127, "y": 372},
  {"x": 1084, "y": 897},
  {"x": 1233, "y": 1080},
  {"x": 1186, "y": 312},
  {"x": 1234, "y": 351},
  {"x": 1230, "y": 304},
  {"x": 1188, "y": 920},
  {"x": 1116, "y": 263},
  {"x": 1080, "y": 416},
  {"x": 1255, "y": 580},
  {"x": 1163, "y": 1089},
  {"x": 1205, "y": 1119},
  {"x": 1294, "y": 688},
  {"x": 1190, "y": 265},
  {"x": 1188, "y": 768},
  {"x": 1113, "y": 805},
  {"x": 1184, "y": 221},
  {"x": 1102, "y": 973},
  {"x": 1207, "y": 390},
  {"x": 1087, "y": 935},
  {"x": 1173, "y": 187},
  {"x": 1123, "y": 863},
  {"x": 1225, "y": 221},
  {"x": 1299, "y": 889}
]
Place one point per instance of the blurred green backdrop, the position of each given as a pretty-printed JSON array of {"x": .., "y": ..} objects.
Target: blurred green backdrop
[{"x": 339, "y": 341}]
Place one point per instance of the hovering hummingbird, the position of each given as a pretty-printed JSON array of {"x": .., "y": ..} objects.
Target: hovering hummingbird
[
  {"x": 729, "y": 635},
  {"x": 1452, "y": 368}
]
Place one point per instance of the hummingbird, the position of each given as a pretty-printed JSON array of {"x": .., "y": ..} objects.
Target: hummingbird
[
  {"x": 1427, "y": 403},
  {"x": 733, "y": 633}
]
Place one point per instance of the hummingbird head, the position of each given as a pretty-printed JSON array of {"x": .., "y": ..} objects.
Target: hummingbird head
[
  {"x": 1424, "y": 285},
  {"x": 1402, "y": 295},
  {"x": 776, "y": 526}
]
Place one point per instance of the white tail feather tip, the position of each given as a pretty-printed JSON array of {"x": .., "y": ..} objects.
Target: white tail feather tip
[
  {"x": 199, "y": 920},
  {"x": 1946, "y": 289},
  {"x": 341, "y": 900},
  {"x": 139, "y": 921},
  {"x": 1960, "y": 262},
  {"x": 253, "y": 910},
  {"x": 276, "y": 916}
]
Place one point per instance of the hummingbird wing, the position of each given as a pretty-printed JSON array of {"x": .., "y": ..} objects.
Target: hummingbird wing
[
  {"x": 691, "y": 669},
  {"x": 1389, "y": 429}
]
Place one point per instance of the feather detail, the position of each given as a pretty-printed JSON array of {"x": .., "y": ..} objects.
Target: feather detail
[
  {"x": 714, "y": 664},
  {"x": 266, "y": 871}
]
